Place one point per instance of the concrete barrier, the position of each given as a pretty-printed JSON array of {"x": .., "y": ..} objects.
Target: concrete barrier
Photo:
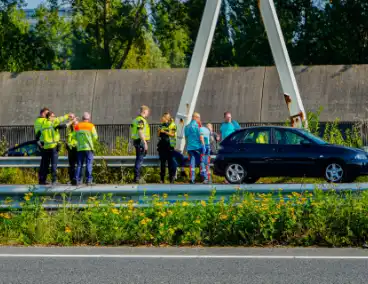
[
  {"x": 341, "y": 90},
  {"x": 22, "y": 95},
  {"x": 114, "y": 96}
]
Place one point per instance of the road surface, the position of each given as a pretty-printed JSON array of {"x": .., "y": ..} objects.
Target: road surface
[{"x": 182, "y": 265}]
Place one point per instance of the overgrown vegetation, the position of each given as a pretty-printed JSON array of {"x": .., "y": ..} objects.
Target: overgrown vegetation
[{"x": 324, "y": 219}]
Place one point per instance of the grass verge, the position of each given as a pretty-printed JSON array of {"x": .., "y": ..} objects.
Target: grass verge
[{"x": 318, "y": 218}]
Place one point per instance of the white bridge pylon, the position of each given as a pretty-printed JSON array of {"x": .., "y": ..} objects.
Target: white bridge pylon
[{"x": 199, "y": 60}]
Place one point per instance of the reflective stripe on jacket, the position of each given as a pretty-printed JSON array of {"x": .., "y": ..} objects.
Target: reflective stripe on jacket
[
  {"x": 71, "y": 137},
  {"x": 86, "y": 135},
  {"x": 140, "y": 123}
]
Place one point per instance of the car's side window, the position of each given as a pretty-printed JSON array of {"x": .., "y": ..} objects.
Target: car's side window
[
  {"x": 238, "y": 137},
  {"x": 286, "y": 137}
]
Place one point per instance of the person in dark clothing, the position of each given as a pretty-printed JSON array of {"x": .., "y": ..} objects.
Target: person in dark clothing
[
  {"x": 71, "y": 146},
  {"x": 214, "y": 139},
  {"x": 165, "y": 147}
]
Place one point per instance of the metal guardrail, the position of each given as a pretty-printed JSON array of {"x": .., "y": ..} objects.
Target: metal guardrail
[
  {"x": 110, "y": 161},
  {"x": 78, "y": 196}
]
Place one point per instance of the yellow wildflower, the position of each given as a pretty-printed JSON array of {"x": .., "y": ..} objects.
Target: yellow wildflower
[
  {"x": 5, "y": 215},
  {"x": 141, "y": 214},
  {"x": 8, "y": 200},
  {"x": 145, "y": 221},
  {"x": 171, "y": 231},
  {"x": 184, "y": 204},
  {"x": 161, "y": 225},
  {"x": 169, "y": 212},
  {"x": 115, "y": 211},
  {"x": 67, "y": 230},
  {"x": 91, "y": 198},
  {"x": 163, "y": 214},
  {"x": 131, "y": 201},
  {"x": 165, "y": 195},
  {"x": 27, "y": 197},
  {"x": 240, "y": 206},
  {"x": 197, "y": 221},
  {"x": 203, "y": 203},
  {"x": 223, "y": 217},
  {"x": 126, "y": 217},
  {"x": 234, "y": 218}
]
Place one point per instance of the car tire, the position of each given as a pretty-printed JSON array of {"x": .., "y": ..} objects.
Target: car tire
[
  {"x": 251, "y": 180},
  {"x": 335, "y": 172},
  {"x": 235, "y": 173}
]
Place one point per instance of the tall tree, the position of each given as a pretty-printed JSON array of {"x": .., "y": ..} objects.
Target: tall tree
[
  {"x": 106, "y": 30},
  {"x": 169, "y": 19},
  {"x": 21, "y": 49},
  {"x": 57, "y": 31}
]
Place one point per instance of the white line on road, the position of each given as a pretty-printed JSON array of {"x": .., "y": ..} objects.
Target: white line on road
[{"x": 183, "y": 256}]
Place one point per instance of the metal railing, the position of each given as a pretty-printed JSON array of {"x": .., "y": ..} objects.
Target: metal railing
[
  {"x": 109, "y": 161},
  {"x": 78, "y": 197},
  {"x": 108, "y": 133}
]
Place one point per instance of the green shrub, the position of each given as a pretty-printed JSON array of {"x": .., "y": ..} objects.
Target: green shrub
[{"x": 324, "y": 219}]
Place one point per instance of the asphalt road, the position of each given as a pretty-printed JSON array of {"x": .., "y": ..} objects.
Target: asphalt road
[{"x": 170, "y": 265}]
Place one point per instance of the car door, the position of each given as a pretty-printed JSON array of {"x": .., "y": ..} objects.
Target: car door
[
  {"x": 293, "y": 153},
  {"x": 256, "y": 152}
]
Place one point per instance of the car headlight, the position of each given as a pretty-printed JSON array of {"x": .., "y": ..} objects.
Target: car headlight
[{"x": 360, "y": 157}]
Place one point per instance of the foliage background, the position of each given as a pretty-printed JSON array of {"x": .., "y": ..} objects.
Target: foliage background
[{"x": 104, "y": 34}]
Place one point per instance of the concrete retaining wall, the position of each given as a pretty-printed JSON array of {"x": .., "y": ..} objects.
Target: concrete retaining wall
[{"x": 114, "y": 96}]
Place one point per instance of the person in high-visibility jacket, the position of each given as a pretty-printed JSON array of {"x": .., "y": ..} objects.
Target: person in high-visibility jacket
[
  {"x": 49, "y": 142},
  {"x": 141, "y": 135},
  {"x": 71, "y": 145},
  {"x": 86, "y": 136},
  {"x": 262, "y": 138},
  {"x": 166, "y": 146},
  {"x": 39, "y": 120}
]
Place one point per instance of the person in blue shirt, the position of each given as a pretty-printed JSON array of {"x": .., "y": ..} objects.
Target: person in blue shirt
[
  {"x": 205, "y": 157},
  {"x": 194, "y": 143},
  {"x": 228, "y": 126}
]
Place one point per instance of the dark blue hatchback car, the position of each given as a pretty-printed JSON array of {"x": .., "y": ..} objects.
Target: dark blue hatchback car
[
  {"x": 251, "y": 153},
  {"x": 29, "y": 148}
]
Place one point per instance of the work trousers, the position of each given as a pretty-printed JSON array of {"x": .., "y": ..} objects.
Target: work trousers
[
  {"x": 48, "y": 156},
  {"x": 87, "y": 158},
  {"x": 167, "y": 156},
  {"x": 205, "y": 164},
  {"x": 72, "y": 158},
  {"x": 194, "y": 161},
  {"x": 140, "y": 153}
]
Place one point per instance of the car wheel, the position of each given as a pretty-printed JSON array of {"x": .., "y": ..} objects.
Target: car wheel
[
  {"x": 251, "y": 180},
  {"x": 334, "y": 172},
  {"x": 235, "y": 173}
]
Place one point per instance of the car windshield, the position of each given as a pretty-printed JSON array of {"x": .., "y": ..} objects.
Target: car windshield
[{"x": 313, "y": 137}]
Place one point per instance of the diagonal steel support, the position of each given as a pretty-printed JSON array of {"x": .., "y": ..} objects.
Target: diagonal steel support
[
  {"x": 196, "y": 68},
  {"x": 283, "y": 65},
  {"x": 200, "y": 56}
]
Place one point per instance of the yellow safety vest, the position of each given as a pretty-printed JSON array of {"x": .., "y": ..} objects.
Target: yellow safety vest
[
  {"x": 172, "y": 128},
  {"x": 49, "y": 135},
  {"x": 38, "y": 124},
  {"x": 140, "y": 123},
  {"x": 261, "y": 139}
]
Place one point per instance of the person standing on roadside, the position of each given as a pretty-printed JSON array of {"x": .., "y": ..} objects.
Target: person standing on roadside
[
  {"x": 194, "y": 143},
  {"x": 39, "y": 120},
  {"x": 214, "y": 139},
  {"x": 86, "y": 136},
  {"x": 71, "y": 145},
  {"x": 49, "y": 139},
  {"x": 166, "y": 146},
  {"x": 228, "y": 126},
  {"x": 141, "y": 136},
  {"x": 205, "y": 157}
]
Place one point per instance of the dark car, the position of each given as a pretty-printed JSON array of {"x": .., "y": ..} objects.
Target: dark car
[
  {"x": 251, "y": 153},
  {"x": 29, "y": 148}
]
